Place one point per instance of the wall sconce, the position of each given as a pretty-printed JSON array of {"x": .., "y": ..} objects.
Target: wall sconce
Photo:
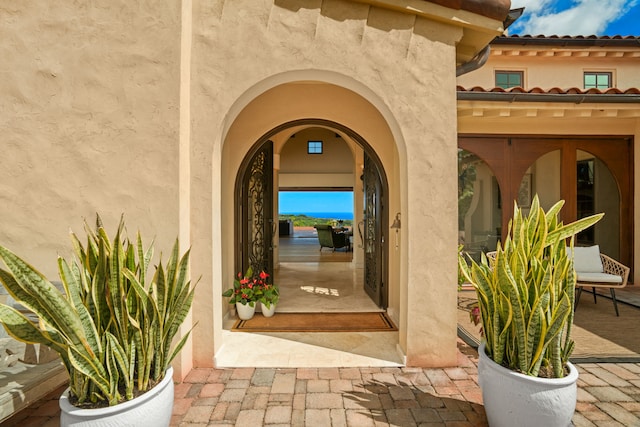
[{"x": 396, "y": 226}]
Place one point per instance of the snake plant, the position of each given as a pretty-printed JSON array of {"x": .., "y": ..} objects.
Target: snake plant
[
  {"x": 526, "y": 294},
  {"x": 113, "y": 325}
]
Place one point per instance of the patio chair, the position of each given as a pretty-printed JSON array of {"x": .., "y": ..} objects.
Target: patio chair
[
  {"x": 596, "y": 270},
  {"x": 491, "y": 257},
  {"x": 330, "y": 238}
]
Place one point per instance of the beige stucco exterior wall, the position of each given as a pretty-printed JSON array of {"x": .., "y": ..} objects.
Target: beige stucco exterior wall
[
  {"x": 149, "y": 109},
  {"x": 89, "y": 97},
  {"x": 563, "y": 71},
  {"x": 372, "y": 57}
]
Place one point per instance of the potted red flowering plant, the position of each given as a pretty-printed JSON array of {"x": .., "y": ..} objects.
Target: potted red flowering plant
[
  {"x": 269, "y": 295},
  {"x": 247, "y": 290}
]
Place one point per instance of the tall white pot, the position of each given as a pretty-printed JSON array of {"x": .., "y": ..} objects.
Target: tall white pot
[
  {"x": 152, "y": 408},
  {"x": 513, "y": 399}
]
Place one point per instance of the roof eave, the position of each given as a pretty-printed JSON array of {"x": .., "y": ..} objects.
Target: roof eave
[
  {"x": 567, "y": 41},
  {"x": 549, "y": 97}
]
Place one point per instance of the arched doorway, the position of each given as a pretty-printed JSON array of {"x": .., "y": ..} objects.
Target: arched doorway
[
  {"x": 256, "y": 227},
  {"x": 479, "y": 205},
  {"x": 590, "y": 174}
]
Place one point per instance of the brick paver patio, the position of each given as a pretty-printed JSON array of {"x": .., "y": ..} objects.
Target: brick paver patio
[{"x": 608, "y": 395}]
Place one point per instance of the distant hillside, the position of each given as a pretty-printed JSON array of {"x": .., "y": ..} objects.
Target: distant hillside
[{"x": 309, "y": 221}]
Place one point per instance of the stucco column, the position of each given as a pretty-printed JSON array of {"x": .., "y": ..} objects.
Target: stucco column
[
  {"x": 429, "y": 220},
  {"x": 431, "y": 251}
]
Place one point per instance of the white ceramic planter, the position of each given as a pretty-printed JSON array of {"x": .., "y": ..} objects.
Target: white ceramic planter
[
  {"x": 513, "y": 399},
  {"x": 267, "y": 312},
  {"x": 245, "y": 311},
  {"x": 153, "y": 408}
]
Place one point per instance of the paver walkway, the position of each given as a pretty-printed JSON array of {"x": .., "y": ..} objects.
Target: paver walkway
[{"x": 608, "y": 395}]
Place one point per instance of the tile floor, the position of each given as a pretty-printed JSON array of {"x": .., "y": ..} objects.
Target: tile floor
[
  {"x": 314, "y": 287},
  {"x": 322, "y": 287}
]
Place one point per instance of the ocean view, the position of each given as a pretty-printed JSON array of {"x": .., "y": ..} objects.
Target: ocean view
[{"x": 323, "y": 215}]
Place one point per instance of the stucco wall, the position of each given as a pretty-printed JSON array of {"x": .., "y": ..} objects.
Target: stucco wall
[
  {"x": 89, "y": 102},
  {"x": 402, "y": 65},
  {"x": 562, "y": 71},
  {"x": 96, "y": 116}
]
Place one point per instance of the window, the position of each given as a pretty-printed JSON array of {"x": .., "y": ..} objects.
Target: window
[
  {"x": 314, "y": 147},
  {"x": 507, "y": 79},
  {"x": 597, "y": 80}
]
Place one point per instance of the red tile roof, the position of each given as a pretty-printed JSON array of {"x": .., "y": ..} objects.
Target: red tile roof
[
  {"x": 567, "y": 40},
  {"x": 556, "y": 94},
  {"x": 554, "y": 90}
]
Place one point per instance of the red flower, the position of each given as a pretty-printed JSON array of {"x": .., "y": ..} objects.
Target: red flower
[
  {"x": 263, "y": 275},
  {"x": 244, "y": 281}
]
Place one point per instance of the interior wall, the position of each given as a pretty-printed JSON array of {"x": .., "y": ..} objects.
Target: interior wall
[
  {"x": 336, "y": 158},
  {"x": 546, "y": 179}
]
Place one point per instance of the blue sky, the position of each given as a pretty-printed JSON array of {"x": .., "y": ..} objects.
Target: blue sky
[
  {"x": 315, "y": 201},
  {"x": 577, "y": 17}
]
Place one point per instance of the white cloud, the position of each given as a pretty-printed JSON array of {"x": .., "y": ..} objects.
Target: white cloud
[
  {"x": 579, "y": 17},
  {"x": 531, "y": 6}
]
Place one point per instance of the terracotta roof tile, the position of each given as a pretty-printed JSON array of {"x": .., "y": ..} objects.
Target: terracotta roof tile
[
  {"x": 554, "y": 90},
  {"x": 592, "y": 40},
  {"x": 579, "y": 37}
]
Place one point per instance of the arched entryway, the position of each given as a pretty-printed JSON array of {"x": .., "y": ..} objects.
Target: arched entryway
[
  {"x": 591, "y": 174},
  {"x": 256, "y": 225}
]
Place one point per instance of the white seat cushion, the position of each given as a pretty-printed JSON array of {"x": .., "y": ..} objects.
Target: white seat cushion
[
  {"x": 587, "y": 259},
  {"x": 598, "y": 278}
]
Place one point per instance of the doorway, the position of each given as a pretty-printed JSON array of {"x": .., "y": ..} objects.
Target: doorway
[{"x": 357, "y": 281}]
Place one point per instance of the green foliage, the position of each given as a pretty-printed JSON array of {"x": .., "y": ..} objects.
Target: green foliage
[
  {"x": 467, "y": 163},
  {"x": 250, "y": 288},
  {"x": 308, "y": 221},
  {"x": 526, "y": 295},
  {"x": 112, "y": 327},
  {"x": 270, "y": 294}
]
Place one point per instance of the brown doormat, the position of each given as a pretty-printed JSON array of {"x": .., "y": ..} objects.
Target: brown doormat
[{"x": 317, "y": 322}]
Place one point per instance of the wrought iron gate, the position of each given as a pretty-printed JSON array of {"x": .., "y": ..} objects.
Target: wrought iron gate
[
  {"x": 374, "y": 236},
  {"x": 256, "y": 211}
]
